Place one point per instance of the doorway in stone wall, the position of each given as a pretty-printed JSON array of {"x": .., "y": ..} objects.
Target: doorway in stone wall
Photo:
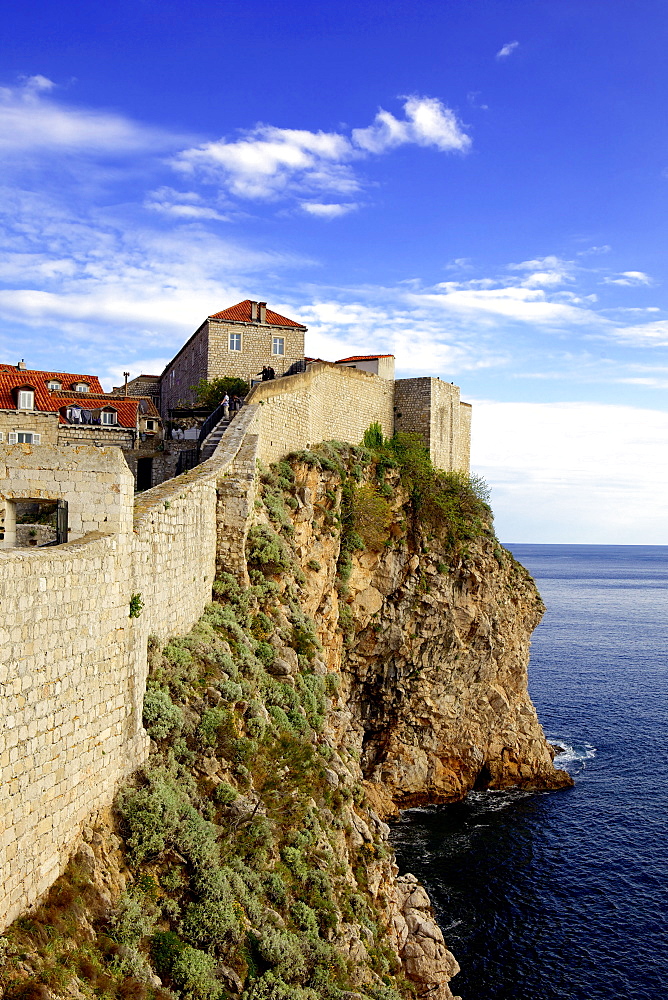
[
  {"x": 144, "y": 474},
  {"x": 34, "y": 523}
]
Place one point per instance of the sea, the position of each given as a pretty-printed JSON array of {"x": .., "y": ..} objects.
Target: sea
[{"x": 564, "y": 894}]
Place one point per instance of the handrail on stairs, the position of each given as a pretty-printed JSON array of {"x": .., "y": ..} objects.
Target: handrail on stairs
[{"x": 210, "y": 423}]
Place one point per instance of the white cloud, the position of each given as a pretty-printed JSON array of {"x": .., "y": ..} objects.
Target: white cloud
[
  {"x": 630, "y": 278},
  {"x": 186, "y": 205},
  {"x": 544, "y": 271},
  {"x": 31, "y": 122},
  {"x": 269, "y": 162},
  {"x": 593, "y": 251},
  {"x": 519, "y": 303},
  {"x": 574, "y": 472},
  {"x": 643, "y": 334},
  {"x": 428, "y": 123},
  {"x": 329, "y": 210},
  {"x": 507, "y": 50}
]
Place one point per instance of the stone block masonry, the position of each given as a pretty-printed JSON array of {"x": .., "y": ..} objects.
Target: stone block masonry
[
  {"x": 72, "y": 661},
  {"x": 433, "y": 409}
]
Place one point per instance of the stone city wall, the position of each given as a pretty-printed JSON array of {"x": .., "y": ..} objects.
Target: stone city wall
[
  {"x": 95, "y": 482},
  {"x": 72, "y": 660},
  {"x": 323, "y": 404},
  {"x": 433, "y": 409}
]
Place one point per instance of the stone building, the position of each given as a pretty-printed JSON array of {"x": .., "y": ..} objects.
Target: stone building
[
  {"x": 240, "y": 342},
  {"x": 377, "y": 364},
  {"x": 60, "y": 408}
]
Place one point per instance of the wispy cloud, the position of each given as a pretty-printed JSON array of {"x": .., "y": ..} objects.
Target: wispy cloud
[
  {"x": 643, "y": 334},
  {"x": 187, "y": 205},
  {"x": 629, "y": 279},
  {"x": 507, "y": 50},
  {"x": 31, "y": 121},
  {"x": 328, "y": 210},
  {"x": 269, "y": 162}
]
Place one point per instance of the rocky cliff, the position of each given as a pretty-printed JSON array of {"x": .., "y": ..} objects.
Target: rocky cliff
[{"x": 376, "y": 659}]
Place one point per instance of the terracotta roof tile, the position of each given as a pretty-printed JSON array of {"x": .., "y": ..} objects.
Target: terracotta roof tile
[
  {"x": 241, "y": 313},
  {"x": 47, "y": 401}
]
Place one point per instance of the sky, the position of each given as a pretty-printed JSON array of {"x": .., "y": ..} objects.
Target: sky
[{"x": 476, "y": 186}]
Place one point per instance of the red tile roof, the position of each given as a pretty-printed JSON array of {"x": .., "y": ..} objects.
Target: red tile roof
[
  {"x": 47, "y": 401},
  {"x": 363, "y": 357},
  {"x": 241, "y": 313},
  {"x": 13, "y": 378},
  {"x": 126, "y": 407}
]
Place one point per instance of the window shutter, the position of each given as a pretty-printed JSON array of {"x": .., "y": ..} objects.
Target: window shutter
[
  {"x": 36, "y": 438},
  {"x": 11, "y": 437},
  {"x": 2, "y": 436}
]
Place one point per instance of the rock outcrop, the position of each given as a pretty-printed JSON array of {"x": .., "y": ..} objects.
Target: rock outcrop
[{"x": 434, "y": 669}]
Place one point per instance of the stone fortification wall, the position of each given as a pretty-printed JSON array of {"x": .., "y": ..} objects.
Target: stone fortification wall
[
  {"x": 72, "y": 664},
  {"x": 72, "y": 661},
  {"x": 433, "y": 409},
  {"x": 325, "y": 403},
  {"x": 95, "y": 482}
]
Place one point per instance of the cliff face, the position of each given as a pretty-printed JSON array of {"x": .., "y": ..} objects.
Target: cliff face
[
  {"x": 434, "y": 666},
  {"x": 378, "y": 660}
]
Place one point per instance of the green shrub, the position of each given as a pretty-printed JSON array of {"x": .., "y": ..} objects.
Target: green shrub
[
  {"x": 161, "y": 715},
  {"x": 230, "y": 692},
  {"x": 266, "y": 550},
  {"x": 225, "y": 793},
  {"x": 216, "y": 723},
  {"x": 373, "y": 436},
  {"x": 212, "y": 923},
  {"x": 191, "y": 970},
  {"x": 210, "y": 392},
  {"x": 131, "y": 920},
  {"x": 152, "y": 815}
]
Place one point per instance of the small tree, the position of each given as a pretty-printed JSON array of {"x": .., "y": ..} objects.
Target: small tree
[{"x": 210, "y": 392}]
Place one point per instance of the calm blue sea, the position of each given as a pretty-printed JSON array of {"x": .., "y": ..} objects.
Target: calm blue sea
[{"x": 565, "y": 894}]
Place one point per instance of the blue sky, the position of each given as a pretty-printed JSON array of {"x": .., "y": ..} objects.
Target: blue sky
[{"x": 478, "y": 186}]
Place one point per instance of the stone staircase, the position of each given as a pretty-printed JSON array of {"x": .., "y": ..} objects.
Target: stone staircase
[{"x": 210, "y": 443}]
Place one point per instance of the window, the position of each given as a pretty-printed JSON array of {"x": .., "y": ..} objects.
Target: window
[
  {"x": 26, "y": 399},
  {"x": 53, "y": 385},
  {"x": 235, "y": 341},
  {"x": 23, "y": 437},
  {"x": 108, "y": 417},
  {"x": 81, "y": 387},
  {"x": 278, "y": 345},
  {"x": 150, "y": 425}
]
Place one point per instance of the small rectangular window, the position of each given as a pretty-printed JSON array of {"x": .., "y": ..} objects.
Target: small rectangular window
[
  {"x": 24, "y": 437},
  {"x": 26, "y": 399},
  {"x": 278, "y": 345},
  {"x": 108, "y": 417},
  {"x": 235, "y": 341},
  {"x": 150, "y": 425}
]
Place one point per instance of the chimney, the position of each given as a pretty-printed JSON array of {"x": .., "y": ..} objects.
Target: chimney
[
  {"x": 21, "y": 365},
  {"x": 127, "y": 374},
  {"x": 262, "y": 309},
  {"x": 254, "y": 306}
]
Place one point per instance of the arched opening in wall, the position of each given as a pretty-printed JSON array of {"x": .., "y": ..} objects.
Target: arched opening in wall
[
  {"x": 144, "y": 474},
  {"x": 33, "y": 523}
]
